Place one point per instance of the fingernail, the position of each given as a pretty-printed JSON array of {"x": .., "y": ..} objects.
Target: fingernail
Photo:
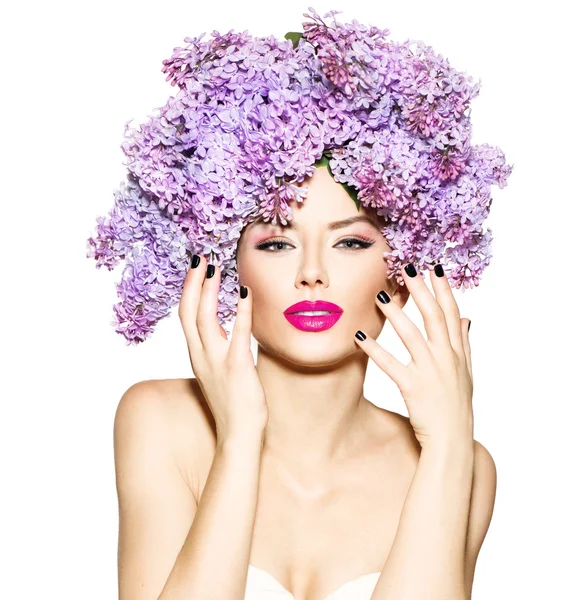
[
  {"x": 383, "y": 297},
  {"x": 410, "y": 270},
  {"x": 469, "y": 325},
  {"x": 209, "y": 271},
  {"x": 243, "y": 292},
  {"x": 195, "y": 261},
  {"x": 439, "y": 270},
  {"x": 360, "y": 335}
]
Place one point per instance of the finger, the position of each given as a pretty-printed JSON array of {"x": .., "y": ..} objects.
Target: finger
[
  {"x": 465, "y": 334},
  {"x": 433, "y": 316},
  {"x": 390, "y": 365},
  {"x": 190, "y": 299},
  {"x": 408, "y": 332},
  {"x": 241, "y": 335},
  {"x": 207, "y": 315},
  {"x": 446, "y": 299}
]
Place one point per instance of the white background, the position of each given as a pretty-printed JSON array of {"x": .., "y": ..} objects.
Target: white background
[{"x": 73, "y": 73}]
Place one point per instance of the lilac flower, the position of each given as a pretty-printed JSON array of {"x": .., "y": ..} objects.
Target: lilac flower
[{"x": 250, "y": 121}]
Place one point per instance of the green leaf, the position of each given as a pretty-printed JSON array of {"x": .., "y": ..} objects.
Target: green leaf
[
  {"x": 322, "y": 162},
  {"x": 352, "y": 191},
  {"x": 295, "y": 36}
]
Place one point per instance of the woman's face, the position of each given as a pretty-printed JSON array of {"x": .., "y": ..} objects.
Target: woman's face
[{"x": 313, "y": 262}]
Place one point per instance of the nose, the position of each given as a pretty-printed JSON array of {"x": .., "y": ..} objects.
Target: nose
[{"x": 312, "y": 270}]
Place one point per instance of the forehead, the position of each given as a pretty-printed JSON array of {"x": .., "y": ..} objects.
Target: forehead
[{"x": 363, "y": 218}]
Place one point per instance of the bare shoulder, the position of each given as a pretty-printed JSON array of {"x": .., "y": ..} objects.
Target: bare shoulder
[
  {"x": 195, "y": 430},
  {"x": 184, "y": 402},
  {"x": 180, "y": 411},
  {"x": 398, "y": 430},
  {"x": 406, "y": 443},
  {"x": 156, "y": 504}
]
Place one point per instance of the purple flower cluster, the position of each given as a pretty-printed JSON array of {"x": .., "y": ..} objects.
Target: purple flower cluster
[{"x": 252, "y": 119}]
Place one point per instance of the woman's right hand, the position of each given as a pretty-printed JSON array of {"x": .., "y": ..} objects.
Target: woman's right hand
[{"x": 225, "y": 369}]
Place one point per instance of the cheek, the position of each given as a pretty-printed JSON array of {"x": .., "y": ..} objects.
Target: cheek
[
  {"x": 256, "y": 272},
  {"x": 363, "y": 287},
  {"x": 268, "y": 281},
  {"x": 371, "y": 274}
]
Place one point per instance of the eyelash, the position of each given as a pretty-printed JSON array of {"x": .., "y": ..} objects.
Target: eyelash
[{"x": 363, "y": 243}]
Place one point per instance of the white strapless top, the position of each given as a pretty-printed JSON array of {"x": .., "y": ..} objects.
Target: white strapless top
[{"x": 263, "y": 586}]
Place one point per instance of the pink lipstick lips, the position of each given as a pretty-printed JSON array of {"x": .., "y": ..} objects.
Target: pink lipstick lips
[{"x": 331, "y": 313}]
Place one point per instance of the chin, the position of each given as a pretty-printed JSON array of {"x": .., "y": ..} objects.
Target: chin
[{"x": 309, "y": 349}]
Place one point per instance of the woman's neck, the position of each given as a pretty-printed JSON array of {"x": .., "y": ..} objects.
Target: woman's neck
[{"x": 316, "y": 415}]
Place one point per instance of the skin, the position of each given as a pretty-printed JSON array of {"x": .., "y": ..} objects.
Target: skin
[{"x": 313, "y": 381}]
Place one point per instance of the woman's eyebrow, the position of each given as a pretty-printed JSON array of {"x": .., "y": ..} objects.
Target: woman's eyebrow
[
  {"x": 332, "y": 226},
  {"x": 356, "y": 219}
]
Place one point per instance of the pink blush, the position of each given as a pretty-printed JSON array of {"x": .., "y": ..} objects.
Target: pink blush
[{"x": 260, "y": 238}]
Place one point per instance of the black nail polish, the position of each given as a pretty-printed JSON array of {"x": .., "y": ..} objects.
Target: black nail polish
[
  {"x": 243, "y": 292},
  {"x": 360, "y": 335},
  {"x": 469, "y": 325},
  {"x": 209, "y": 271},
  {"x": 195, "y": 261},
  {"x": 383, "y": 297},
  {"x": 410, "y": 270},
  {"x": 439, "y": 270}
]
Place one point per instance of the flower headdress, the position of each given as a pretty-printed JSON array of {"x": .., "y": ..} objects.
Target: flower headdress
[{"x": 254, "y": 116}]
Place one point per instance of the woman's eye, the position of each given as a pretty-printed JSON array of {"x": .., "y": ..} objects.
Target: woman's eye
[
  {"x": 267, "y": 245},
  {"x": 351, "y": 244},
  {"x": 361, "y": 243}
]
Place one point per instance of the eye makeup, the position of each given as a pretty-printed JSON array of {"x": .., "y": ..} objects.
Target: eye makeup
[{"x": 361, "y": 243}]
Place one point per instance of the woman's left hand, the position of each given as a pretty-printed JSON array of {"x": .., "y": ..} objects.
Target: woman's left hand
[{"x": 437, "y": 385}]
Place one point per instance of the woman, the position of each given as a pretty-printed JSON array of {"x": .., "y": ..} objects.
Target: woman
[
  {"x": 280, "y": 480},
  {"x": 276, "y": 478}
]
